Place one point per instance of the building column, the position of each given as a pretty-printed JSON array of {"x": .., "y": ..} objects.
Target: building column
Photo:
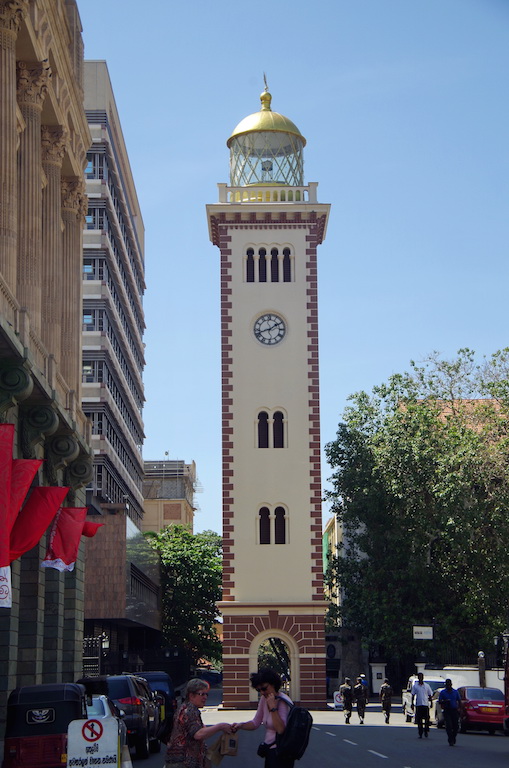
[
  {"x": 32, "y": 82},
  {"x": 53, "y": 140},
  {"x": 11, "y": 15},
  {"x": 74, "y": 205}
]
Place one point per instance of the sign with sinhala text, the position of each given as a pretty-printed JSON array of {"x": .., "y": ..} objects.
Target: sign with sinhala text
[
  {"x": 423, "y": 633},
  {"x": 92, "y": 743}
]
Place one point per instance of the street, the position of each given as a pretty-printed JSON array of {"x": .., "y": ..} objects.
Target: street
[{"x": 336, "y": 745}]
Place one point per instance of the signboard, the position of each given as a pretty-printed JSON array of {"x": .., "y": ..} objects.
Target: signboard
[
  {"x": 92, "y": 743},
  {"x": 338, "y": 701},
  {"x": 423, "y": 633}
]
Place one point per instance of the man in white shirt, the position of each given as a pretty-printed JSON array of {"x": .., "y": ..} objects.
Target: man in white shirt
[{"x": 421, "y": 697}]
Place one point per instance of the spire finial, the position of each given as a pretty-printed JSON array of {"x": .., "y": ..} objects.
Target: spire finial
[{"x": 265, "y": 97}]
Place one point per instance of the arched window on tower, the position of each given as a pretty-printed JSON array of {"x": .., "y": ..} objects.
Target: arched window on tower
[
  {"x": 278, "y": 430},
  {"x": 250, "y": 275},
  {"x": 264, "y": 523},
  {"x": 280, "y": 526},
  {"x": 274, "y": 265},
  {"x": 262, "y": 265},
  {"x": 287, "y": 266},
  {"x": 263, "y": 429}
]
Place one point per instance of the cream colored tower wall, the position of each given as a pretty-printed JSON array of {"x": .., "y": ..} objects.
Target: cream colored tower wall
[{"x": 273, "y": 476}]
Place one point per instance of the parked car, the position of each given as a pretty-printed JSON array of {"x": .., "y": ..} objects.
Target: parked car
[
  {"x": 406, "y": 695},
  {"x": 37, "y": 720},
  {"x": 437, "y": 714},
  {"x": 141, "y": 707},
  {"x": 161, "y": 683},
  {"x": 103, "y": 708},
  {"x": 481, "y": 709}
]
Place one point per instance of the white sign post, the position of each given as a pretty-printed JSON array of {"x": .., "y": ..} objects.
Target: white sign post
[
  {"x": 92, "y": 743},
  {"x": 338, "y": 701},
  {"x": 423, "y": 633}
]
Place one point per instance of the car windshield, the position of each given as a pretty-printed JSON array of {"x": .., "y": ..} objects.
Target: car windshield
[
  {"x": 484, "y": 694},
  {"x": 118, "y": 688},
  {"x": 435, "y": 684},
  {"x": 95, "y": 708},
  {"x": 159, "y": 685}
]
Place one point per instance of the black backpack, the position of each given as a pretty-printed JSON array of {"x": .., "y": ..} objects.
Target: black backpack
[{"x": 293, "y": 741}]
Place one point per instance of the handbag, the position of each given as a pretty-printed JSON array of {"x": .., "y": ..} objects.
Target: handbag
[{"x": 263, "y": 749}]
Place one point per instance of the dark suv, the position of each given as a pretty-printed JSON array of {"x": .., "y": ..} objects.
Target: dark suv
[
  {"x": 132, "y": 694},
  {"x": 161, "y": 682}
]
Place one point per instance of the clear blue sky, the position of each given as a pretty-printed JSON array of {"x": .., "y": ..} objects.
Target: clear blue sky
[{"x": 404, "y": 105}]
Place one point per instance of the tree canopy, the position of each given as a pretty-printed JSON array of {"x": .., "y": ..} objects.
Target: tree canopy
[
  {"x": 421, "y": 488},
  {"x": 191, "y": 586}
]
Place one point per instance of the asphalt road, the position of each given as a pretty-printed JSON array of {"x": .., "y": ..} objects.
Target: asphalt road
[{"x": 336, "y": 745}]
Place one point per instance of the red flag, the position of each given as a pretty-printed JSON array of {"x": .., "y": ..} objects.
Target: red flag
[
  {"x": 23, "y": 472},
  {"x": 34, "y": 518},
  {"x": 65, "y": 538},
  {"x": 6, "y": 441},
  {"x": 90, "y": 529}
]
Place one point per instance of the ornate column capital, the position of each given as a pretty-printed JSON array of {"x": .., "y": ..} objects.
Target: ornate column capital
[
  {"x": 16, "y": 384},
  {"x": 37, "y": 423},
  {"x": 53, "y": 144},
  {"x": 74, "y": 198},
  {"x": 59, "y": 451},
  {"x": 32, "y": 82},
  {"x": 12, "y": 12}
]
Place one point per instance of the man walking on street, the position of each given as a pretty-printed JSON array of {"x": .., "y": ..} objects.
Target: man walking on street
[
  {"x": 421, "y": 697},
  {"x": 449, "y": 700},
  {"x": 361, "y": 697},
  {"x": 346, "y": 691},
  {"x": 386, "y": 699}
]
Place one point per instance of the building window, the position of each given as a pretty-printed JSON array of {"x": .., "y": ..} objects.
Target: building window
[
  {"x": 287, "y": 266},
  {"x": 264, "y": 523},
  {"x": 278, "y": 430},
  {"x": 274, "y": 265},
  {"x": 250, "y": 276},
  {"x": 280, "y": 526},
  {"x": 262, "y": 265},
  {"x": 263, "y": 429},
  {"x": 271, "y": 429}
]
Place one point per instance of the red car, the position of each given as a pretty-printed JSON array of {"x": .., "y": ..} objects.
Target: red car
[{"x": 481, "y": 709}]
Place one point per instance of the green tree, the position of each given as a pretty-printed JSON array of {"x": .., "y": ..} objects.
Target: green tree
[
  {"x": 191, "y": 586},
  {"x": 421, "y": 487}
]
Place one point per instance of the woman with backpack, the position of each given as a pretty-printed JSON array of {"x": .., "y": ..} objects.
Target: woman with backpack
[{"x": 273, "y": 710}]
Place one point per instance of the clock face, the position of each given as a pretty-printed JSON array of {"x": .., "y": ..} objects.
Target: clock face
[{"x": 269, "y": 329}]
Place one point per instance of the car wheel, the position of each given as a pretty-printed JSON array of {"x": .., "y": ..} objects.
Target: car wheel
[
  {"x": 142, "y": 745},
  {"x": 155, "y": 746},
  {"x": 491, "y": 731}
]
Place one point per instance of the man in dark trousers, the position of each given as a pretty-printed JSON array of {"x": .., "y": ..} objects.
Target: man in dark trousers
[
  {"x": 449, "y": 700},
  {"x": 346, "y": 691},
  {"x": 421, "y": 697},
  {"x": 386, "y": 699},
  {"x": 361, "y": 696}
]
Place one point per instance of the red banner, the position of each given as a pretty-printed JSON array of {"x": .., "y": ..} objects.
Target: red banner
[
  {"x": 65, "y": 538},
  {"x": 34, "y": 518}
]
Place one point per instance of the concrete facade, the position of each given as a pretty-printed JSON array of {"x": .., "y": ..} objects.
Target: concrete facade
[
  {"x": 43, "y": 141},
  {"x": 268, "y": 236},
  {"x": 122, "y": 597}
]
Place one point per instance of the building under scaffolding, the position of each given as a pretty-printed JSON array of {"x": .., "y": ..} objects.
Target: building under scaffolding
[{"x": 169, "y": 489}]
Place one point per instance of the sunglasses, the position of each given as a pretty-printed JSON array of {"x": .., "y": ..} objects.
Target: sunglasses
[{"x": 262, "y": 688}]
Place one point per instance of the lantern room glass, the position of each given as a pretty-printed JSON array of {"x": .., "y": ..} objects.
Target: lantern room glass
[{"x": 266, "y": 157}]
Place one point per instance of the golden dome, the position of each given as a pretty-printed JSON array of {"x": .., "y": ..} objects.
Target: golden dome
[{"x": 266, "y": 120}]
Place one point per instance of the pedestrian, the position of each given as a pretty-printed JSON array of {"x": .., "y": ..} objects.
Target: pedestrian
[
  {"x": 421, "y": 698},
  {"x": 346, "y": 692},
  {"x": 186, "y": 747},
  {"x": 449, "y": 699},
  {"x": 272, "y": 712},
  {"x": 361, "y": 697},
  {"x": 386, "y": 699}
]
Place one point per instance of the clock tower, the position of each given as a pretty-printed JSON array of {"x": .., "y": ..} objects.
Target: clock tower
[{"x": 268, "y": 225}]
